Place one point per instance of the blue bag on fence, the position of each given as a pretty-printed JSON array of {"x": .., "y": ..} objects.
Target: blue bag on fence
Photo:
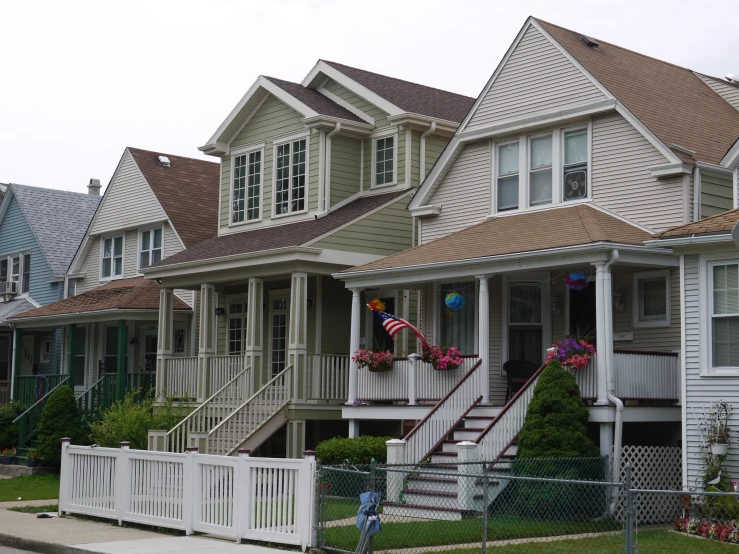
[{"x": 367, "y": 519}]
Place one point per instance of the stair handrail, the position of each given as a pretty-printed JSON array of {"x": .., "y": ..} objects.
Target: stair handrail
[
  {"x": 411, "y": 445},
  {"x": 524, "y": 394},
  {"x": 33, "y": 413},
  {"x": 197, "y": 411},
  {"x": 265, "y": 387},
  {"x": 85, "y": 411}
]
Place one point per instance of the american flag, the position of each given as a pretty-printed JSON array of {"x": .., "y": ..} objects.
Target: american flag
[{"x": 394, "y": 324}]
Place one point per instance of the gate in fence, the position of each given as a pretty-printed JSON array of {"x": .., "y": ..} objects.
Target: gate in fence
[{"x": 239, "y": 497}]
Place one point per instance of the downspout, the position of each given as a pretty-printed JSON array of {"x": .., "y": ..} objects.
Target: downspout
[
  {"x": 327, "y": 173},
  {"x": 422, "y": 161}
]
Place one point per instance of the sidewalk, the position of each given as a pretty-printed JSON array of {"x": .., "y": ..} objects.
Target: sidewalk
[{"x": 77, "y": 536}]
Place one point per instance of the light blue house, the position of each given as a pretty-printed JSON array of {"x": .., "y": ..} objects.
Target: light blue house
[{"x": 40, "y": 231}]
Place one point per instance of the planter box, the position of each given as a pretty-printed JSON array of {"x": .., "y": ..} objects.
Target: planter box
[
  {"x": 32, "y": 462},
  {"x": 7, "y": 460}
]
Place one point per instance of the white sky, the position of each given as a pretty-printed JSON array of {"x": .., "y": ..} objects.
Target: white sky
[{"x": 80, "y": 81}]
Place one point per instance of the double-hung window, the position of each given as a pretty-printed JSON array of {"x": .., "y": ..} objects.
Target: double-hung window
[
  {"x": 26, "y": 274},
  {"x": 247, "y": 186},
  {"x": 150, "y": 249},
  {"x": 112, "y": 258},
  {"x": 540, "y": 170},
  {"x": 457, "y": 328},
  {"x": 508, "y": 176},
  {"x": 17, "y": 268},
  {"x": 236, "y": 327},
  {"x": 291, "y": 177},
  {"x": 724, "y": 315},
  {"x": 575, "y": 170},
  {"x": 385, "y": 161}
]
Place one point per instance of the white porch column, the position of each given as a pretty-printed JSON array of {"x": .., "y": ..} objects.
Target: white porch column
[
  {"x": 297, "y": 343},
  {"x": 406, "y": 295},
  {"x": 207, "y": 342},
  {"x": 164, "y": 337},
  {"x": 354, "y": 342},
  {"x": 603, "y": 328},
  {"x": 483, "y": 339},
  {"x": 254, "y": 347}
]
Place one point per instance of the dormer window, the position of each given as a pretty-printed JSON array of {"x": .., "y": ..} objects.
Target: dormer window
[
  {"x": 112, "y": 258},
  {"x": 291, "y": 177},
  {"x": 384, "y": 162},
  {"x": 246, "y": 186},
  {"x": 150, "y": 247}
]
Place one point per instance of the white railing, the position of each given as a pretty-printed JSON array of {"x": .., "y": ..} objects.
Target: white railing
[
  {"x": 446, "y": 415},
  {"x": 262, "y": 499},
  {"x": 328, "y": 377},
  {"x": 210, "y": 413},
  {"x": 650, "y": 376},
  {"x": 181, "y": 379},
  {"x": 230, "y": 433},
  {"x": 503, "y": 430},
  {"x": 587, "y": 379},
  {"x": 221, "y": 369},
  {"x": 433, "y": 385},
  {"x": 389, "y": 385}
]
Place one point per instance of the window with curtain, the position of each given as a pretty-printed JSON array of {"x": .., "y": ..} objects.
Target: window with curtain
[
  {"x": 508, "y": 176},
  {"x": 525, "y": 327},
  {"x": 457, "y": 328},
  {"x": 725, "y": 315},
  {"x": 540, "y": 171}
]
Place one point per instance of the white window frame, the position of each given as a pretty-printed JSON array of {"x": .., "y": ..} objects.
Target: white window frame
[
  {"x": 373, "y": 170},
  {"x": 245, "y": 151},
  {"x": 21, "y": 267},
  {"x": 636, "y": 305},
  {"x": 278, "y": 142},
  {"x": 113, "y": 277},
  {"x": 244, "y": 322},
  {"x": 473, "y": 296},
  {"x": 588, "y": 128},
  {"x": 45, "y": 357},
  {"x": 529, "y": 170},
  {"x": 707, "y": 263},
  {"x": 141, "y": 242}
]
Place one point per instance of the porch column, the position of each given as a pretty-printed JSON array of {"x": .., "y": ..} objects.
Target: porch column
[
  {"x": 483, "y": 337},
  {"x": 254, "y": 349},
  {"x": 354, "y": 342},
  {"x": 603, "y": 328},
  {"x": 207, "y": 345},
  {"x": 164, "y": 338},
  {"x": 120, "y": 378},
  {"x": 16, "y": 369},
  {"x": 297, "y": 343},
  {"x": 406, "y": 295},
  {"x": 71, "y": 350}
]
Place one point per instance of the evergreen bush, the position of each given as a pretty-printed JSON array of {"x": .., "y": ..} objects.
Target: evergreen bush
[
  {"x": 59, "y": 419},
  {"x": 358, "y": 450},
  {"x": 9, "y": 430}
]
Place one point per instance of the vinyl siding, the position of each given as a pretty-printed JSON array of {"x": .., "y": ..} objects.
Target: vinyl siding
[
  {"x": 358, "y": 102},
  {"x": 337, "y": 308},
  {"x": 384, "y": 232},
  {"x": 464, "y": 194},
  {"x": 537, "y": 77},
  {"x": 434, "y": 147},
  {"x": 415, "y": 158},
  {"x": 717, "y": 194},
  {"x": 621, "y": 158},
  {"x": 728, "y": 92},
  {"x": 345, "y": 168},
  {"x": 128, "y": 188}
]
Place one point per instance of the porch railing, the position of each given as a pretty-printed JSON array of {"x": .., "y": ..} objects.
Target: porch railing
[
  {"x": 28, "y": 421},
  {"x": 328, "y": 377},
  {"x": 181, "y": 377},
  {"x": 4, "y": 392},
  {"x": 222, "y": 369},
  {"x": 99, "y": 396},
  {"x": 33, "y": 387},
  {"x": 647, "y": 375},
  {"x": 390, "y": 385}
]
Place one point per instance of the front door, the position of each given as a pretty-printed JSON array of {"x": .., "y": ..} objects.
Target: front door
[
  {"x": 279, "y": 318},
  {"x": 149, "y": 350},
  {"x": 582, "y": 313}
]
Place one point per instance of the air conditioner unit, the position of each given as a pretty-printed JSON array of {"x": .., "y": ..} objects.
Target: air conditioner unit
[
  {"x": 576, "y": 185},
  {"x": 9, "y": 287}
]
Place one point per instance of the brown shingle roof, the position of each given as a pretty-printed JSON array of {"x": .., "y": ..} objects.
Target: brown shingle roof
[
  {"x": 411, "y": 97},
  {"x": 526, "y": 232},
  {"x": 315, "y": 100},
  {"x": 673, "y": 102},
  {"x": 719, "y": 223},
  {"x": 278, "y": 236},
  {"x": 187, "y": 190},
  {"x": 123, "y": 294}
]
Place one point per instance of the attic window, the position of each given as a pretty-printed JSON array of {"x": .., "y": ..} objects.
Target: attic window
[
  {"x": 589, "y": 41},
  {"x": 164, "y": 161}
]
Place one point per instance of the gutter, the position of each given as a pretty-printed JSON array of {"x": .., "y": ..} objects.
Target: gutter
[
  {"x": 19, "y": 321},
  {"x": 327, "y": 173},
  {"x": 688, "y": 240}
]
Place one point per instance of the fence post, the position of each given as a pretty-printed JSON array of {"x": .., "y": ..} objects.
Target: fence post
[
  {"x": 412, "y": 371},
  {"x": 312, "y": 539},
  {"x": 242, "y": 502},
  {"x": 191, "y": 492},
  {"x": 122, "y": 482},
  {"x": 65, "y": 476},
  {"x": 629, "y": 511},
  {"x": 467, "y": 453},
  {"x": 484, "y": 512},
  {"x": 158, "y": 440},
  {"x": 395, "y": 457},
  {"x": 372, "y": 485}
]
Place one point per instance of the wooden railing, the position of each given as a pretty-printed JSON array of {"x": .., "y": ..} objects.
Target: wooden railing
[
  {"x": 100, "y": 396},
  {"x": 4, "y": 392},
  {"x": 181, "y": 378},
  {"x": 222, "y": 369},
  {"x": 32, "y": 387},
  {"x": 211, "y": 412},
  {"x": 433, "y": 385},
  {"x": 226, "y": 437},
  {"x": 445, "y": 416},
  {"x": 143, "y": 382},
  {"x": 328, "y": 377},
  {"x": 28, "y": 421}
]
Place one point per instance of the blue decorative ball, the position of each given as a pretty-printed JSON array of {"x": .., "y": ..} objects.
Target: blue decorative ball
[
  {"x": 578, "y": 276},
  {"x": 455, "y": 301}
]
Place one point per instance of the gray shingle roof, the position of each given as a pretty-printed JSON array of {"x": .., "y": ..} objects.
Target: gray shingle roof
[
  {"x": 59, "y": 219},
  {"x": 14, "y": 307}
]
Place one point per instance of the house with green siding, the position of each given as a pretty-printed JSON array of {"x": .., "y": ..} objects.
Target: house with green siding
[{"x": 315, "y": 177}]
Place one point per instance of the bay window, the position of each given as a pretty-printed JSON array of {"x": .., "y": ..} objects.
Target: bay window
[
  {"x": 290, "y": 177},
  {"x": 112, "y": 258},
  {"x": 724, "y": 311},
  {"x": 150, "y": 247},
  {"x": 508, "y": 176},
  {"x": 457, "y": 327}
]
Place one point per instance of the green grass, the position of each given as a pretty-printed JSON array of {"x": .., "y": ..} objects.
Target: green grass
[
  {"x": 341, "y": 508},
  {"x": 33, "y": 487},
  {"x": 36, "y": 509}
]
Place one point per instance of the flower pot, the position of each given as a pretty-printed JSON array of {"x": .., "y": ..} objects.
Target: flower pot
[
  {"x": 32, "y": 462},
  {"x": 719, "y": 448},
  {"x": 450, "y": 367},
  {"x": 6, "y": 460}
]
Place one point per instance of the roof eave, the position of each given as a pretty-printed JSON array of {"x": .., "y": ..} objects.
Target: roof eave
[
  {"x": 694, "y": 238},
  {"x": 348, "y": 127},
  {"x": 420, "y": 122}
]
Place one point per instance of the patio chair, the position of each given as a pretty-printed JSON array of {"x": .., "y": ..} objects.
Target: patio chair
[{"x": 518, "y": 372}]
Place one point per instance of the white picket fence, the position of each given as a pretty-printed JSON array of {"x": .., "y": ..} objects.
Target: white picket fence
[{"x": 261, "y": 499}]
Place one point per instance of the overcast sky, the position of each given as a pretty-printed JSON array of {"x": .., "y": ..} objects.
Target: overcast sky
[{"x": 80, "y": 81}]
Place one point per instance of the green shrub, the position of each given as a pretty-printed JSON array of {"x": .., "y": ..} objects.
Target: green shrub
[
  {"x": 8, "y": 430},
  {"x": 131, "y": 419},
  {"x": 59, "y": 419},
  {"x": 358, "y": 450},
  {"x": 557, "y": 419}
]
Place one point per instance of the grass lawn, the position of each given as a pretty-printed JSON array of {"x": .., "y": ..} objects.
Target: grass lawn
[
  {"x": 342, "y": 508},
  {"x": 33, "y": 487},
  {"x": 36, "y": 509}
]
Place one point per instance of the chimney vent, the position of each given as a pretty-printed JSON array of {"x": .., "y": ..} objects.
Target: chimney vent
[
  {"x": 589, "y": 41},
  {"x": 164, "y": 161},
  {"x": 93, "y": 189}
]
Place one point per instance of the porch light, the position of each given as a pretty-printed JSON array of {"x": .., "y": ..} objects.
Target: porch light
[
  {"x": 556, "y": 309},
  {"x": 219, "y": 311}
]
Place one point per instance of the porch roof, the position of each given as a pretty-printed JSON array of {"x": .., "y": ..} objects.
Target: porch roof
[
  {"x": 13, "y": 307},
  {"x": 123, "y": 294},
  {"x": 577, "y": 225},
  {"x": 720, "y": 224}
]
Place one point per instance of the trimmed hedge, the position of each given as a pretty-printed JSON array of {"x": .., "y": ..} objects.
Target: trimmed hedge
[
  {"x": 359, "y": 450},
  {"x": 59, "y": 419}
]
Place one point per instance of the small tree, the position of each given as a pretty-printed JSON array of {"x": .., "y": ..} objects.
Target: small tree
[
  {"x": 557, "y": 419},
  {"x": 9, "y": 430},
  {"x": 59, "y": 419}
]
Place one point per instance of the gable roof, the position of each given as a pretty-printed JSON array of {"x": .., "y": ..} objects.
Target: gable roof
[
  {"x": 526, "y": 232},
  {"x": 672, "y": 101},
  {"x": 411, "y": 97},
  {"x": 719, "y": 223},
  {"x": 58, "y": 218},
  {"x": 315, "y": 100},
  {"x": 188, "y": 191},
  {"x": 279, "y": 236}
]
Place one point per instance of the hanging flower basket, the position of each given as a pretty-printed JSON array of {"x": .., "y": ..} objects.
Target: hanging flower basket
[
  {"x": 442, "y": 358},
  {"x": 576, "y": 281},
  {"x": 376, "y": 362},
  {"x": 719, "y": 448},
  {"x": 571, "y": 353}
]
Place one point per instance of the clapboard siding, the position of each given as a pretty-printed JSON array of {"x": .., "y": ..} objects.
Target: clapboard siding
[
  {"x": 345, "y": 168},
  {"x": 537, "y": 77},
  {"x": 620, "y": 173},
  {"x": 717, "y": 194},
  {"x": 358, "y": 102},
  {"x": 464, "y": 194},
  {"x": 128, "y": 188},
  {"x": 414, "y": 154},
  {"x": 728, "y": 92},
  {"x": 336, "y": 312},
  {"x": 434, "y": 147}
]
